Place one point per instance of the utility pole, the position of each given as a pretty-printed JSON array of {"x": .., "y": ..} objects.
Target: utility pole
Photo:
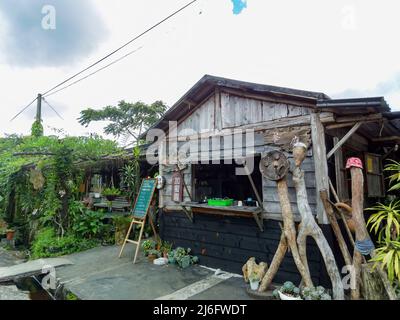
[{"x": 39, "y": 108}]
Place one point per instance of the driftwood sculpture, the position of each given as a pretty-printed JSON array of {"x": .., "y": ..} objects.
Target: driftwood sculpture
[
  {"x": 251, "y": 267},
  {"x": 275, "y": 167},
  {"x": 309, "y": 226},
  {"x": 363, "y": 244}
]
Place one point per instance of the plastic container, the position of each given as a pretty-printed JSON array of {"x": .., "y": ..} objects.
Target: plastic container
[{"x": 220, "y": 202}]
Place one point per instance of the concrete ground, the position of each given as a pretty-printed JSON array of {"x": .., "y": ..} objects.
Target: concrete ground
[
  {"x": 10, "y": 291},
  {"x": 98, "y": 274}
]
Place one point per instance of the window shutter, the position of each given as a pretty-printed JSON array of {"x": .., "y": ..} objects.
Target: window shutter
[{"x": 374, "y": 173}]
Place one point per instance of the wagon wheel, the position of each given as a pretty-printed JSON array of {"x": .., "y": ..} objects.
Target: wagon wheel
[{"x": 274, "y": 166}]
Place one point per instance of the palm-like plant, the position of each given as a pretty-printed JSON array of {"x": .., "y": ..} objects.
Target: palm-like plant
[
  {"x": 389, "y": 256},
  {"x": 394, "y": 178},
  {"x": 389, "y": 217}
]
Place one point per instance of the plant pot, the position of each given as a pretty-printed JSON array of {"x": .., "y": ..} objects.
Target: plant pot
[
  {"x": 152, "y": 257},
  {"x": 10, "y": 235},
  {"x": 287, "y": 297},
  {"x": 111, "y": 197},
  {"x": 254, "y": 285}
]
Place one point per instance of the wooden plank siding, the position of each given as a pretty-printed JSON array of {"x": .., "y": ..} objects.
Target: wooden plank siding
[
  {"x": 235, "y": 112},
  {"x": 228, "y": 242}
]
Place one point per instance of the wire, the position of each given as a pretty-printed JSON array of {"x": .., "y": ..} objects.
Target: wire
[
  {"x": 121, "y": 47},
  {"x": 23, "y": 109},
  {"x": 45, "y": 101},
  {"x": 93, "y": 73}
]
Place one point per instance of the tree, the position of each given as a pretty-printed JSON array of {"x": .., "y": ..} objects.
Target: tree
[{"x": 126, "y": 119}]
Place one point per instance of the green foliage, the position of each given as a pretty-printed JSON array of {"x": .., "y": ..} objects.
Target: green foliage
[
  {"x": 388, "y": 256},
  {"x": 59, "y": 161},
  {"x": 254, "y": 277},
  {"x": 394, "y": 179},
  {"x": 166, "y": 247},
  {"x": 122, "y": 222},
  {"x": 37, "y": 129},
  {"x": 154, "y": 252},
  {"x": 386, "y": 220},
  {"x": 148, "y": 245},
  {"x": 89, "y": 224},
  {"x": 130, "y": 174},
  {"x": 182, "y": 257},
  {"x": 47, "y": 244},
  {"x": 71, "y": 296},
  {"x": 126, "y": 119},
  {"x": 111, "y": 192},
  {"x": 307, "y": 293},
  {"x": 317, "y": 293}
]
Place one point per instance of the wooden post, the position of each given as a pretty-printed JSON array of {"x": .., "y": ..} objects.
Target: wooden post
[
  {"x": 39, "y": 108},
  {"x": 336, "y": 228},
  {"x": 309, "y": 227},
  {"x": 341, "y": 184},
  {"x": 357, "y": 201},
  {"x": 320, "y": 163},
  {"x": 275, "y": 166}
]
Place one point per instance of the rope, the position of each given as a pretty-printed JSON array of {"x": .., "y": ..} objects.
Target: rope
[{"x": 365, "y": 247}]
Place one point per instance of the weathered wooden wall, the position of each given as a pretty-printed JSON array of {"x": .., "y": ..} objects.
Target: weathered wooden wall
[{"x": 275, "y": 126}]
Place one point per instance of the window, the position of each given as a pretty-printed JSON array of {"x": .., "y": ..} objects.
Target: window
[
  {"x": 220, "y": 181},
  {"x": 374, "y": 173}
]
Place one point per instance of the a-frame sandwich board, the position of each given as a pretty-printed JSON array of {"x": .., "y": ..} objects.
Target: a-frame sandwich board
[{"x": 140, "y": 213}]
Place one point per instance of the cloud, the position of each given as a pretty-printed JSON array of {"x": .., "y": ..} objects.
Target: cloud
[
  {"x": 382, "y": 88},
  {"x": 78, "y": 31}
]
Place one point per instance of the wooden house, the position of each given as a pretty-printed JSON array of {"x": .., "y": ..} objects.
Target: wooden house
[{"x": 213, "y": 110}]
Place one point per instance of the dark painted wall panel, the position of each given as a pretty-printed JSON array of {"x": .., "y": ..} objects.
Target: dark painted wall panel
[{"x": 228, "y": 242}]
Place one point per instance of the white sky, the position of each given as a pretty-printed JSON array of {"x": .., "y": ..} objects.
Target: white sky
[{"x": 341, "y": 48}]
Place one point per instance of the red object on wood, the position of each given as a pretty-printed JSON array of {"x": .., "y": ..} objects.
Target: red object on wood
[{"x": 354, "y": 162}]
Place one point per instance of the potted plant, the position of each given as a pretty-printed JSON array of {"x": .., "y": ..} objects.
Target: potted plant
[
  {"x": 153, "y": 254},
  {"x": 165, "y": 249},
  {"x": 317, "y": 293},
  {"x": 254, "y": 281},
  {"x": 287, "y": 292},
  {"x": 111, "y": 193},
  {"x": 10, "y": 234},
  {"x": 148, "y": 245}
]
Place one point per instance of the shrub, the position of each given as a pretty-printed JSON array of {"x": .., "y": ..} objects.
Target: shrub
[
  {"x": 47, "y": 244},
  {"x": 89, "y": 224}
]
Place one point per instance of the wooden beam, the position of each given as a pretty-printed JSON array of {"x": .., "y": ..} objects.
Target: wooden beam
[
  {"x": 344, "y": 139},
  {"x": 384, "y": 139},
  {"x": 320, "y": 163},
  {"x": 373, "y": 117},
  {"x": 340, "y": 176}
]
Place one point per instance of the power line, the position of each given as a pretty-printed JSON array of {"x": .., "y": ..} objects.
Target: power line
[
  {"x": 121, "y": 47},
  {"x": 46, "y": 102},
  {"x": 23, "y": 109},
  {"x": 93, "y": 73}
]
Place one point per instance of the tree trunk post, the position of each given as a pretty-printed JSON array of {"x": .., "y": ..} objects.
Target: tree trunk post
[{"x": 309, "y": 226}]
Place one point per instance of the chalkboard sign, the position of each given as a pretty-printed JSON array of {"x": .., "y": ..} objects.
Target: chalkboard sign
[{"x": 144, "y": 198}]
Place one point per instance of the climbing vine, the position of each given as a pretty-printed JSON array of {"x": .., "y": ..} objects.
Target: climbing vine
[{"x": 40, "y": 178}]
